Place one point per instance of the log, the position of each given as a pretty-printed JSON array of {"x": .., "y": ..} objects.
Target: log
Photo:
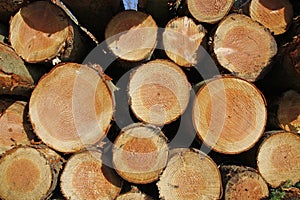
[
  {"x": 131, "y": 35},
  {"x": 94, "y": 15},
  {"x": 140, "y": 153},
  {"x": 9, "y": 8},
  {"x": 15, "y": 77},
  {"x": 169, "y": 96},
  {"x": 41, "y": 32},
  {"x": 181, "y": 40},
  {"x": 278, "y": 158},
  {"x": 133, "y": 195},
  {"x": 243, "y": 182},
  {"x": 72, "y": 107},
  {"x": 190, "y": 174},
  {"x": 14, "y": 129},
  {"x": 275, "y": 15},
  {"x": 29, "y": 173},
  {"x": 209, "y": 11},
  {"x": 288, "y": 113},
  {"x": 229, "y": 114},
  {"x": 85, "y": 176},
  {"x": 244, "y": 47}
]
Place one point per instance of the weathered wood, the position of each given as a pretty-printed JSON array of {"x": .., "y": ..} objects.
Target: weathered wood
[
  {"x": 140, "y": 153},
  {"x": 133, "y": 195},
  {"x": 85, "y": 176},
  {"x": 244, "y": 47},
  {"x": 275, "y": 15},
  {"x": 278, "y": 158},
  {"x": 243, "y": 182},
  {"x": 169, "y": 96},
  {"x": 71, "y": 107},
  {"x": 229, "y": 114},
  {"x": 131, "y": 35},
  {"x": 42, "y": 32},
  {"x": 190, "y": 174},
  {"x": 29, "y": 173},
  {"x": 210, "y": 11},
  {"x": 181, "y": 40}
]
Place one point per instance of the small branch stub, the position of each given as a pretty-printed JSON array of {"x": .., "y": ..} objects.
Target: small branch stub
[
  {"x": 133, "y": 195},
  {"x": 140, "y": 153},
  {"x": 159, "y": 92},
  {"x": 131, "y": 35},
  {"x": 229, "y": 114},
  {"x": 86, "y": 177},
  {"x": 181, "y": 40},
  {"x": 278, "y": 158},
  {"x": 244, "y": 47},
  {"x": 28, "y": 173},
  {"x": 71, "y": 107},
  {"x": 190, "y": 174},
  {"x": 275, "y": 15},
  {"x": 210, "y": 11}
]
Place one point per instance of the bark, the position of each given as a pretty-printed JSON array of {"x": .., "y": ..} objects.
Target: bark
[
  {"x": 281, "y": 150},
  {"x": 29, "y": 173},
  {"x": 190, "y": 174},
  {"x": 169, "y": 96},
  {"x": 244, "y": 47},
  {"x": 181, "y": 40},
  {"x": 72, "y": 107},
  {"x": 140, "y": 153},
  {"x": 9, "y": 7},
  {"x": 85, "y": 176},
  {"x": 243, "y": 182},
  {"x": 229, "y": 114},
  {"x": 132, "y": 35},
  {"x": 41, "y": 32}
]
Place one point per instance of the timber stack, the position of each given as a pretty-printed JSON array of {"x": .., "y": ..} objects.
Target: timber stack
[{"x": 161, "y": 99}]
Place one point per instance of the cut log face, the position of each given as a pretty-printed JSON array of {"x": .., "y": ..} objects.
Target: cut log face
[
  {"x": 12, "y": 130},
  {"x": 243, "y": 182},
  {"x": 181, "y": 40},
  {"x": 229, "y": 114},
  {"x": 86, "y": 177},
  {"x": 28, "y": 173},
  {"x": 133, "y": 195},
  {"x": 288, "y": 112},
  {"x": 14, "y": 76},
  {"x": 210, "y": 11},
  {"x": 71, "y": 107},
  {"x": 140, "y": 153},
  {"x": 244, "y": 47},
  {"x": 169, "y": 96},
  {"x": 131, "y": 35},
  {"x": 189, "y": 175},
  {"x": 275, "y": 15},
  {"x": 41, "y": 31},
  {"x": 278, "y": 158}
]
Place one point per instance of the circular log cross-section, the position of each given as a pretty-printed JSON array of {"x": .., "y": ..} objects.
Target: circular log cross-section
[
  {"x": 41, "y": 32},
  {"x": 140, "y": 153},
  {"x": 71, "y": 107},
  {"x": 86, "y": 177},
  {"x": 27, "y": 173},
  {"x": 131, "y": 35},
  {"x": 12, "y": 130},
  {"x": 133, "y": 195},
  {"x": 229, "y": 114},
  {"x": 244, "y": 47},
  {"x": 288, "y": 113},
  {"x": 159, "y": 92},
  {"x": 243, "y": 182},
  {"x": 189, "y": 175},
  {"x": 278, "y": 158},
  {"x": 210, "y": 11},
  {"x": 181, "y": 40},
  {"x": 275, "y": 15}
]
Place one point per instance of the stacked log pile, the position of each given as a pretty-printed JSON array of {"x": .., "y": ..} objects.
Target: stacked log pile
[{"x": 178, "y": 99}]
